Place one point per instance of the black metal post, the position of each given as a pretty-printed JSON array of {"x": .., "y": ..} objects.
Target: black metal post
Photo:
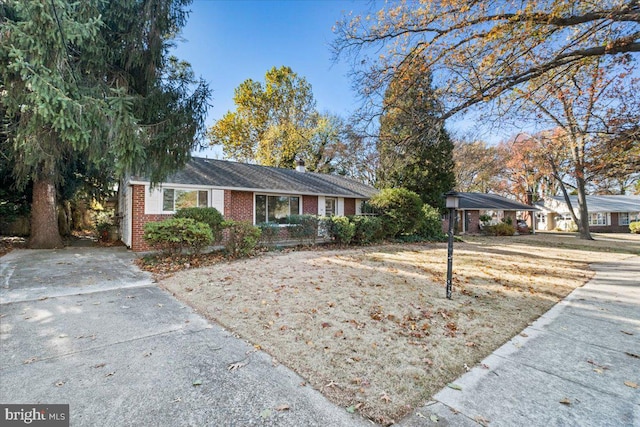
[{"x": 450, "y": 251}]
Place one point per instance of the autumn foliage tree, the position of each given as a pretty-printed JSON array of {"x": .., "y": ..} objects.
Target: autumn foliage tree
[
  {"x": 479, "y": 167},
  {"x": 504, "y": 55},
  {"x": 584, "y": 105},
  {"x": 273, "y": 121},
  {"x": 479, "y": 50}
]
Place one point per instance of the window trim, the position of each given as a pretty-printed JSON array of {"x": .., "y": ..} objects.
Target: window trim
[
  {"x": 628, "y": 216},
  {"x": 335, "y": 206},
  {"x": 600, "y": 217},
  {"x": 267, "y": 195},
  {"x": 175, "y": 189}
]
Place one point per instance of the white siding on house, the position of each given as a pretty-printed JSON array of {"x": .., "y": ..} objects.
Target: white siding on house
[
  {"x": 340, "y": 207},
  {"x": 217, "y": 200},
  {"x": 125, "y": 213},
  {"x": 152, "y": 200},
  {"x": 358, "y": 206}
]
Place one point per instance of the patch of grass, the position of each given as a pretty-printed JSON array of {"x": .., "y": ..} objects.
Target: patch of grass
[{"x": 371, "y": 327}]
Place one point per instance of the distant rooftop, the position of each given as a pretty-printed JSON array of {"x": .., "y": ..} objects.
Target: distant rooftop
[
  {"x": 615, "y": 203},
  {"x": 248, "y": 177},
  {"x": 483, "y": 201}
]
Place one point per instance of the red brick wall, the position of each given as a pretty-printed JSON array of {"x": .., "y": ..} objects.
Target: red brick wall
[
  {"x": 139, "y": 219},
  {"x": 473, "y": 224},
  {"x": 310, "y": 205},
  {"x": 349, "y": 207},
  {"x": 238, "y": 205}
]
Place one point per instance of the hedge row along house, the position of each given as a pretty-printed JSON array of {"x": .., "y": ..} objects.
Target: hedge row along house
[{"x": 240, "y": 191}]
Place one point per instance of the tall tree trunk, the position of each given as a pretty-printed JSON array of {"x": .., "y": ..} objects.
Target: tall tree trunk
[
  {"x": 583, "y": 225},
  {"x": 578, "y": 153},
  {"x": 44, "y": 218}
]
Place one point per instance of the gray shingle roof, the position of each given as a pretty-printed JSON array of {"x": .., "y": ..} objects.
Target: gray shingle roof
[
  {"x": 615, "y": 203},
  {"x": 482, "y": 201},
  {"x": 227, "y": 174}
]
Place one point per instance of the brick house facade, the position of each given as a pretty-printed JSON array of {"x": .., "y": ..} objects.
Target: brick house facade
[{"x": 235, "y": 190}]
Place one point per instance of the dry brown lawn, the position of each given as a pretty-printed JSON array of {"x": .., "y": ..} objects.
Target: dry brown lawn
[{"x": 371, "y": 327}]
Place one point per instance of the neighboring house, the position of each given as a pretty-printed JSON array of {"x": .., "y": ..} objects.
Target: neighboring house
[
  {"x": 472, "y": 205},
  {"x": 241, "y": 192},
  {"x": 606, "y": 213}
]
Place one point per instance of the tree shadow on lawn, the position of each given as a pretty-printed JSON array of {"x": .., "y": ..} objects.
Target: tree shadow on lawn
[{"x": 371, "y": 327}]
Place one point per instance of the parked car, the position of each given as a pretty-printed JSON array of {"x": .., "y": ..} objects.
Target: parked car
[{"x": 522, "y": 227}]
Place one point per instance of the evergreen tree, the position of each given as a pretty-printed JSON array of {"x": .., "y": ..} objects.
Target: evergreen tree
[
  {"x": 90, "y": 83},
  {"x": 415, "y": 149}
]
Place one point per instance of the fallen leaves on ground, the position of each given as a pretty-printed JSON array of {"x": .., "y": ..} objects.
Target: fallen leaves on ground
[
  {"x": 335, "y": 315},
  {"x": 631, "y": 384}
]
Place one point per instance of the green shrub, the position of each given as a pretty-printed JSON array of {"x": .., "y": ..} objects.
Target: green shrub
[
  {"x": 485, "y": 218},
  {"x": 269, "y": 233},
  {"x": 304, "y": 228},
  {"x": 500, "y": 229},
  {"x": 210, "y": 216},
  {"x": 368, "y": 229},
  {"x": 431, "y": 224},
  {"x": 401, "y": 210},
  {"x": 242, "y": 238},
  {"x": 175, "y": 234},
  {"x": 634, "y": 227},
  {"x": 339, "y": 229}
]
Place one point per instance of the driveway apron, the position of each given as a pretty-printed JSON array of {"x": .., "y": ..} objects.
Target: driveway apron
[{"x": 85, "y": 327}]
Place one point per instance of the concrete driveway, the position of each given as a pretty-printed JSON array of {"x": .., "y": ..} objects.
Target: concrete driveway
[{"x": 84, "y": 326}]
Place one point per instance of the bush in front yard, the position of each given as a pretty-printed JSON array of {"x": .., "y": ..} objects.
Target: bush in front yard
[
  {"x": 401, "y": 210},
  {"x": 500, "y": 229},
  {"x": 634, "y": 227},
  {"x": 269, "y": 233},
  {"x": 304, "y": 228},
  {"x": 210, "y": 216},
  {"x": 242, "y": 238},
  {"x": 176, "y": 234},
  {"x": 339, "y": 229},
  {"x": 431, "y": 224},
  {"x": 368, "y": 229}
]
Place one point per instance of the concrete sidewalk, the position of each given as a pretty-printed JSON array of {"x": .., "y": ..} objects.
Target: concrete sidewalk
[
  {"x": 569, "y": 368},
  {"x": 83, "y": 326}
]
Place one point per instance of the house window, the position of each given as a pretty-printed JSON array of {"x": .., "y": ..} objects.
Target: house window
[
  {"x": 174, "y": 199},
  {"x": 367, "y": 209},
  {"x": 623, "y": 218},
  {"x": 276, "y": 208},
  {"x": 598, "y": 218},
  {"x": 330, "y": 206}
]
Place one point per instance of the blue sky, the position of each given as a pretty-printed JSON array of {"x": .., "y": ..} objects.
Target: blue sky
[{"x": 229, "y": 41}]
